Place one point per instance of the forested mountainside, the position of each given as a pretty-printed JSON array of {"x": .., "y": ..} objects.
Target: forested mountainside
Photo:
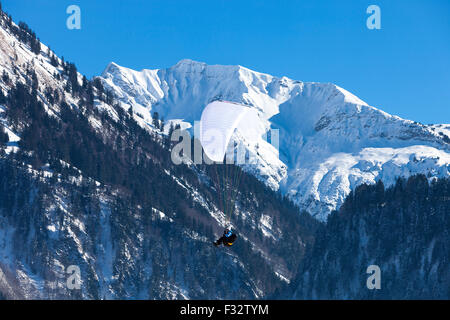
[
  {"x": 83, "y": 184},
  {"x": 404, "y": 230}
]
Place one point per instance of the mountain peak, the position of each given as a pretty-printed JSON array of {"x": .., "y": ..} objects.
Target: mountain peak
[
  {"x": 350, "y": 97},
  {"x": 110, "y": 68},
  {"x": 189, "y": 62},
  {"x": 188, "y": 65}
]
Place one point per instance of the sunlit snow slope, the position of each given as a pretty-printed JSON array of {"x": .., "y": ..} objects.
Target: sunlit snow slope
[{"x": 330, "y": 140}]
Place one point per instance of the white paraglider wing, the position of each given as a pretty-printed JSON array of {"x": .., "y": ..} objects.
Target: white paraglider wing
[{"x": 218, "y": 121}]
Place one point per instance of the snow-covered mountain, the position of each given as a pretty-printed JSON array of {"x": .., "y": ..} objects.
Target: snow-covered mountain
[{"x": 330, "y": 140}]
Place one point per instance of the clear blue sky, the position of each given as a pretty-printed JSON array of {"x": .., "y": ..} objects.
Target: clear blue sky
[{"x": 404, "y": 68}]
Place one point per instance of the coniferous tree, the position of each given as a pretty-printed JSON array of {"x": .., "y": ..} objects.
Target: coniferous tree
[
  {"x": 2, "y": 97},
  {"x": 155, "y": 120},
  {"x": 5, "y": 77},
  {"x": 98, "y": 84},
  {"x": 3, "y": 136},
  {"x": 162, "y": 124},
  {"x": 53, "y": 60},
  {"x": 34, "y": 81}
]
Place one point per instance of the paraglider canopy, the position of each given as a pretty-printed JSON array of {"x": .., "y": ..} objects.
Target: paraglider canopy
[{"x": 218, "y": 122}]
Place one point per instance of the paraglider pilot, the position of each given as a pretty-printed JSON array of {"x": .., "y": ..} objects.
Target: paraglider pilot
[{"x": 227, "y": 239}]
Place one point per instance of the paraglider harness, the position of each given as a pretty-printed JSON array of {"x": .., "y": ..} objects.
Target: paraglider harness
[{"x": 227, "y": 239}]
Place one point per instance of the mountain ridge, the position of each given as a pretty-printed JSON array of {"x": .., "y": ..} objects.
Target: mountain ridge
[{"x": 316, "y": 122}]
